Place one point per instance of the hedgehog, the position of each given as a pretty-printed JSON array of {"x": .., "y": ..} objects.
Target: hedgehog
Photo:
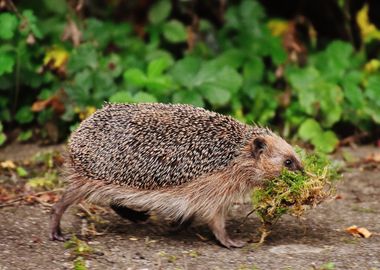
[{"x": 178, "y": 161}]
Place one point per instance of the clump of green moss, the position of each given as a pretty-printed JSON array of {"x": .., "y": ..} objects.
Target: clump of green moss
[{"x": 294, "y": 192}]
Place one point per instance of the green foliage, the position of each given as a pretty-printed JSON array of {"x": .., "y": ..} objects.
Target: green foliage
[
  {"x": 3, "y": 137},
  {"x": 233, "y": 69}
]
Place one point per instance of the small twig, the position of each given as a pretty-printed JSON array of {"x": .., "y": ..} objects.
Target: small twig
[
  {"x": 23, "y": 197},
  {"x": 247, "y": 216}
]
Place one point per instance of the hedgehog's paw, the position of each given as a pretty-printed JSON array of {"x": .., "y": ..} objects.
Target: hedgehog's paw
[
  {"x": 56, "y": 235},
  {"x": 229, "y": 243},
  {"x": 236, "y": 243}
]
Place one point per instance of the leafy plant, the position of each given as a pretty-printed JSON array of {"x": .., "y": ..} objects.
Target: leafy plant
[{"x": 56, "y": 69}]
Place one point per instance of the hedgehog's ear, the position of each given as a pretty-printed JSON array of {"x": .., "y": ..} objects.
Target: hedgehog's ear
[{"x": 258, "y": 147}]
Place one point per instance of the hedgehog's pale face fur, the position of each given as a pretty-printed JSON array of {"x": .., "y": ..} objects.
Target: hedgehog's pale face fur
[{"x": 272, "y": 154}]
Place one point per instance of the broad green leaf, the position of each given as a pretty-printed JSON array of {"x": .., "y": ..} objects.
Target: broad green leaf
[
  {"x": 372, "y": 90},
  {"x": 228, "y": 79},
  {"x": 301, "y": 79},
  {"x": 56, "y": 6},
  {"x": 8, "y": 25},
  {"x": 121, "y": 97},
  {"x": 25, "y": 135},
  {"x": 24, "y": 115},
  {"x": 159, "y": 11},
  {"x": 21, "y": 171},
  {"x": 160, "y": 86},
  {"x": 83, "y": 56},
  {"x": 3, "y": 138},
  {"x": 157, "y": 66},
  {"x": 174, "y": 31},
  {"x": 224, "y": 78},
  {"x": 216, "y": 96},
  {"x": 142, "y": 97},
  {"x": 84, "y": 80},
  {"x": 331, "y": 97},
  {"x": 325, "y": 142},
  {"x": 135, "y": 76},
  {"x": 309, "y": 129},
  {"x": 253, "y": 70},
  {"x": 185, "y": 70},
  {"x": 188, "y": 97},
  {"x": 352, "y": 90},
  {"x": 232, "y": 58},
  {"x": 31, "y": 23},
  {"x": 6, "y": 63}
]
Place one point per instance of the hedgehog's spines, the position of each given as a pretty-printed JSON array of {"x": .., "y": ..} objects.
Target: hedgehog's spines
[{"x": 150, "y": 146}]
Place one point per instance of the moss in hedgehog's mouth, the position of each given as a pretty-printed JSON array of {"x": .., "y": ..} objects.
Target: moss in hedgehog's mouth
[{"x": 292, "y": 191}]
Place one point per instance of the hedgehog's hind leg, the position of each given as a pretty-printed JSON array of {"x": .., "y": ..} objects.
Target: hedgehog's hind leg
[
  {"x": 70, "y": 196},
  {"x": 130, "y": 214},
  {"x": 218, "y": 227}
]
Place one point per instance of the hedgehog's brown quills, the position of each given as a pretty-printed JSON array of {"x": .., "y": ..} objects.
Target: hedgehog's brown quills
[{"x": 177, "y": 160}]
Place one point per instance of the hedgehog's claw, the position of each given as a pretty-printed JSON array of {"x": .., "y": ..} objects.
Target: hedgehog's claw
[{"x": 56, "y": 235}]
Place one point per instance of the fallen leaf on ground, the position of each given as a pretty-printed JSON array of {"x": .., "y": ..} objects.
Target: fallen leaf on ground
[
  {"x": 373, "y": 157},
  {"x": 8, "y": 164},
  {"x": 358, "y": 231}
]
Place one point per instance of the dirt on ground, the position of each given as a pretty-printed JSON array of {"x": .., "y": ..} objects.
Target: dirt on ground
[{"x": 317, "y": 241}]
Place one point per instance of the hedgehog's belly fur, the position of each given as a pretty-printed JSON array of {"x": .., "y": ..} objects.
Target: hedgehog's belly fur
[{"x": 202, "y": 198}]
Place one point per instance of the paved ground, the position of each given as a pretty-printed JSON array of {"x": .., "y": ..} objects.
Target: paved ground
[{"x": 317, "y": 240}]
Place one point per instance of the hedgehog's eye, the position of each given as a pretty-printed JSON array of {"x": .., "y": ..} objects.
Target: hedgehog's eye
[{"x": 288, "y": 163}]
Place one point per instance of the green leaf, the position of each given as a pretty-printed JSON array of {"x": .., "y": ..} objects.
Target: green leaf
[
  {"x": 142, "y": 97},
  {"x": 325, "y": 142},
  {"x": 8, "y": 24},
  {"x": 232, "y": 58},
  {"x": 31, "y": 23},
  {"x": 157, "y": 66},
  {"x": 3, "y": 138},
  {"x": 352, "y": 91},
  {"x": 135, "y": 76},
  {"x": 21, "y": 171},
  {"x": 229, "y": 79},
  {"x": 6, "y": 63},
  {"x": 309, "y": 129},
  {"x": 253, "y": 70},
  {"x": 56, "y": 6},
  {"x": 121, "y": 97},
  {"x": 84, "y": 80},
  {"x": 174, "y": 31},
  {"x": 24, "y": 115},
  {"x": 160, "y": 11},
  {"x": 25, "y": 135},
  {"x": 188, "y": 97},
  {"x": 185, "y": 70},
  {"x": 372, "y": 90},
  {"x": 80, "y": 264},
  {"x": 331, "y": 97},
  {"x": 216, "y": 96},
  {"x": 82, "y": 57},
  {"x": 224, "y": 78}
]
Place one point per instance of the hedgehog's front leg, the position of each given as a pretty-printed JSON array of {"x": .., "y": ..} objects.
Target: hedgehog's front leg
[{"x": 218, "y": 227}]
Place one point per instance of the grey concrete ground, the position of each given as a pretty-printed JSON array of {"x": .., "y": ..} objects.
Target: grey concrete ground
[{"x": 317, "y": 241}]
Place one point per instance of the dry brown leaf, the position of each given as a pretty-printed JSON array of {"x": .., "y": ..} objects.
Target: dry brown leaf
[
  {"x": 373, "y": 157},
  {"x": 358, "y": 231},
  {"x": 54, "y": 102},
  {"x": 8, "y": 164},
  {"x": 72, "y": 32}
]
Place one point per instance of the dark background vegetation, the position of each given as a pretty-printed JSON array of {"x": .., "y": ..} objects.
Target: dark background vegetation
[{"x": 308, "y": 69}]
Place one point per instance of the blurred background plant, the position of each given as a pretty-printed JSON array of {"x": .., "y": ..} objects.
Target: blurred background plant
[{"x": 309, "y": 70}]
